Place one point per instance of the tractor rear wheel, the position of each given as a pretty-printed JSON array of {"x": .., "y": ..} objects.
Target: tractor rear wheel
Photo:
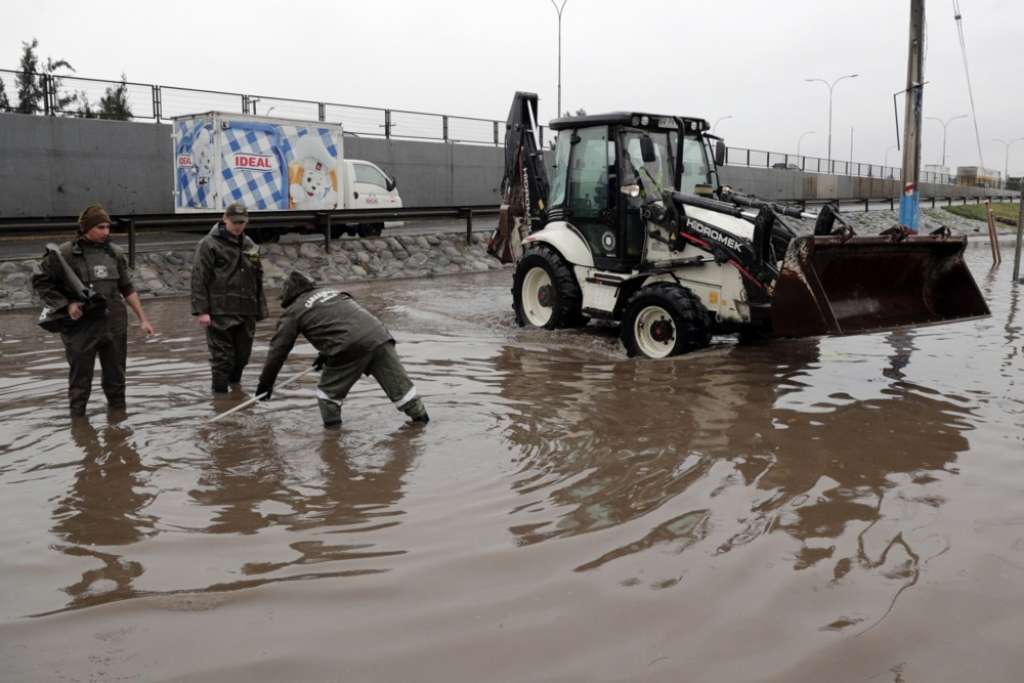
[
  {"x": 545, "y": 292},
  {"x": 664, "y": 319}
]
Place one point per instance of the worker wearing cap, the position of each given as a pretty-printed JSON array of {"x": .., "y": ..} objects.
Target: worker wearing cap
[
  {"x": 227, "y": 295},
  {"x": 352, "y": 342},
  {"x": 96, "y": 328}
]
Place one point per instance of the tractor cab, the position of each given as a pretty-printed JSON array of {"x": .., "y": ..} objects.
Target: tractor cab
[{"x": 606, "y": 167}]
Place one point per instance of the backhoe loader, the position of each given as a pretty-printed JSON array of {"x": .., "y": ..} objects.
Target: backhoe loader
[{"x": 634, "y": 227}]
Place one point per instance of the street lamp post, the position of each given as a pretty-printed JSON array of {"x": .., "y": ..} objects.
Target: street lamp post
[
  {"x": 1006, "y": 160},
  {"x": 720, "y": 119},
  {"x": 559, "y": 9},
  {"x": 801, "y": 139},
  {"x": 886, "y": 164},
  {"x": 944, "y": 124},
  {"x": 830, "y": 86}
]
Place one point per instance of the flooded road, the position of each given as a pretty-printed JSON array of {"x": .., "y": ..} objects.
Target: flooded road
[{"x": 843, "y": 509}]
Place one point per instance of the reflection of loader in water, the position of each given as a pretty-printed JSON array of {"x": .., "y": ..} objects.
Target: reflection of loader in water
[
  {"x": 635, "y": 228},
  {"x": 849, "y": 480}
]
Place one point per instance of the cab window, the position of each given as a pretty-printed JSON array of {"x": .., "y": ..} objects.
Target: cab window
[
  {"x": 560, "y": 170},
  {"x": 695, "y": 164},
  {"x": 370, "y": 175}
]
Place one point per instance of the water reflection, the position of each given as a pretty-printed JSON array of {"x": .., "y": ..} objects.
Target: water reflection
[
  {"x": 104, "y": 508},
  {"x": 853, "y": 481},
  {"x": 241, "y": 470}
]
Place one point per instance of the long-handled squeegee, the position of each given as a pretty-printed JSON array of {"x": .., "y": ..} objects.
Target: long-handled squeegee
[{"x": 257, "y": 397}]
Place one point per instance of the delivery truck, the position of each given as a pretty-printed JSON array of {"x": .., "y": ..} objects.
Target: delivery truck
[{"x": 274, "y": 165}]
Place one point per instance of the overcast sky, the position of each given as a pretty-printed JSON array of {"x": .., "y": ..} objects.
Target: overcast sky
[{"x": 742, "y": 59}]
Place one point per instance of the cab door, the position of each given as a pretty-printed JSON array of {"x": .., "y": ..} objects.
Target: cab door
[
  {"x": 593, "y": 195},
  {"x": 370, "y": 188}
]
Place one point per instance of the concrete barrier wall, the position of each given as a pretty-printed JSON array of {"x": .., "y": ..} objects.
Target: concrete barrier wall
[{"x": 56, "y": 166}]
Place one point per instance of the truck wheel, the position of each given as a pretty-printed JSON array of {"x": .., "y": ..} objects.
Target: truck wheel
[
  {"x": 544, "y": 291},
  {"x": 372, "y": 230},
  {"x": 664, "y": 320}
]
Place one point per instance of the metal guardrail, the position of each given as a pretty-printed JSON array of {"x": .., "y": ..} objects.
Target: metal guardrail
[{"x": 307, "y": 221}]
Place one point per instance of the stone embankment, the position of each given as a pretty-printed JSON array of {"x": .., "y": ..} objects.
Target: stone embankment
[{"x": 167, "y": 273}]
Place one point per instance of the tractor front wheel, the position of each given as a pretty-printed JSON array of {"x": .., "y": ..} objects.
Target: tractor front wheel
[{"x": 664, "y": 319}]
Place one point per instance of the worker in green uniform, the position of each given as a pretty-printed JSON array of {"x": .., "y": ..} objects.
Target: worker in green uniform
[
  {"x": 352, "y": 342},
  {"x": 227, "y": 295},
  {"x": 92, "y": 331}
]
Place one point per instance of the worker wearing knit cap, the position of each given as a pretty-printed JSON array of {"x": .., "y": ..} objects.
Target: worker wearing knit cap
[{"x": 98, "y": 327}]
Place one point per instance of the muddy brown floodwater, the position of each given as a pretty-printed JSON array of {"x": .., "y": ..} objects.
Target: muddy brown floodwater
[{"x": 841, "y": 509}]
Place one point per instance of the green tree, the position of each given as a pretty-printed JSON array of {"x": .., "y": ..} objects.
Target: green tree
[
  {"x": 32, "y": 77},
  {"x": 5, "y": 104},
  {"x": 85, "y": 109},
  {"x": 114, "y": 103}
]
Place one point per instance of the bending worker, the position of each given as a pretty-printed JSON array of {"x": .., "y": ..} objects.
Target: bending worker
[
  {"x": 227, "y": 295},
  {"x": 351, "y": 342},
  {"x": 103, "y": 329}
]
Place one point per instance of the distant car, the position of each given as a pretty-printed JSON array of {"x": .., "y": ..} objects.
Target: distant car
[{"x": 788, "y": 167}]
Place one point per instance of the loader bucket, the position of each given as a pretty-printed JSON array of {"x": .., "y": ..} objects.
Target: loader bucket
[{"x": 837, "y": 285}]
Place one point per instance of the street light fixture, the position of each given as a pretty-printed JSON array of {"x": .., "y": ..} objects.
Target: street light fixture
[
  {"x": 720, "y": 119},
  {"x": 801, "y": 139},
  {"x": 830, "y": 86},
  {"x": 944, "y": 124},
  {"x": 559, "y": 9},
  {"x": 1006, "y": 159}
]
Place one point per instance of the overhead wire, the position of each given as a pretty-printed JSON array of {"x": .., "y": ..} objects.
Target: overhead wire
[{"x": 958, "y": 16}]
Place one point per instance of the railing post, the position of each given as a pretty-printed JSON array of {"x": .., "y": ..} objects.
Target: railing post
[
  {"x": 44, "y": 80},
  {"x": 748, "y": 158},
  {"x": 321, "y": 111},
  {"x": 495, "y": 133},
  {"x": 157, "y": 105},
  {"x": 387, "y": 124},
  {"x": 541, "y": 128},
  {"x": 444, "y": 127},
  {"x": 245, "y": 104},
  {"x": 469, "y": 227}
]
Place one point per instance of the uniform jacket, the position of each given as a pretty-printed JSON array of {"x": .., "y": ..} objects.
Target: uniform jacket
[
  {"x": 102, "y": 266},
  {"x": 330, "y": 320},
  {"x": 227, "y": 277}
]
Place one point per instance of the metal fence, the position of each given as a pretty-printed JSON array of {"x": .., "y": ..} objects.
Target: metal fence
[
  {"x": 755, "y": 158},
  {"x": 67, "y": 95},
  {"x": 62, "y": 95}
]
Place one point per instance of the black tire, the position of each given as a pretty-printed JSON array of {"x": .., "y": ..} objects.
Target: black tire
[
  {"x": 664, "y": 319},
  {"x": 370, "y": 230},
  {"x": 552, "y": 297}
]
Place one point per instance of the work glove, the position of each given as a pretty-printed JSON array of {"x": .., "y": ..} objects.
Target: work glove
[
  {"x": 320, "y": 361},
  {"x": 267, "y": 389}
]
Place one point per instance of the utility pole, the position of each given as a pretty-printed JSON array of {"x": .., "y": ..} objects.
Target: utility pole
[{"x": 909, "y": 202}]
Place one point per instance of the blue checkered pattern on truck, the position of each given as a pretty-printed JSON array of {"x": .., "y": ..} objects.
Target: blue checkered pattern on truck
[{"x": 259, "y": 189}]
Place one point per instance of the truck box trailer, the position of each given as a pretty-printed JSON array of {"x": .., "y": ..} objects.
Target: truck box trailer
[{"x": 273, "y": 164}]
